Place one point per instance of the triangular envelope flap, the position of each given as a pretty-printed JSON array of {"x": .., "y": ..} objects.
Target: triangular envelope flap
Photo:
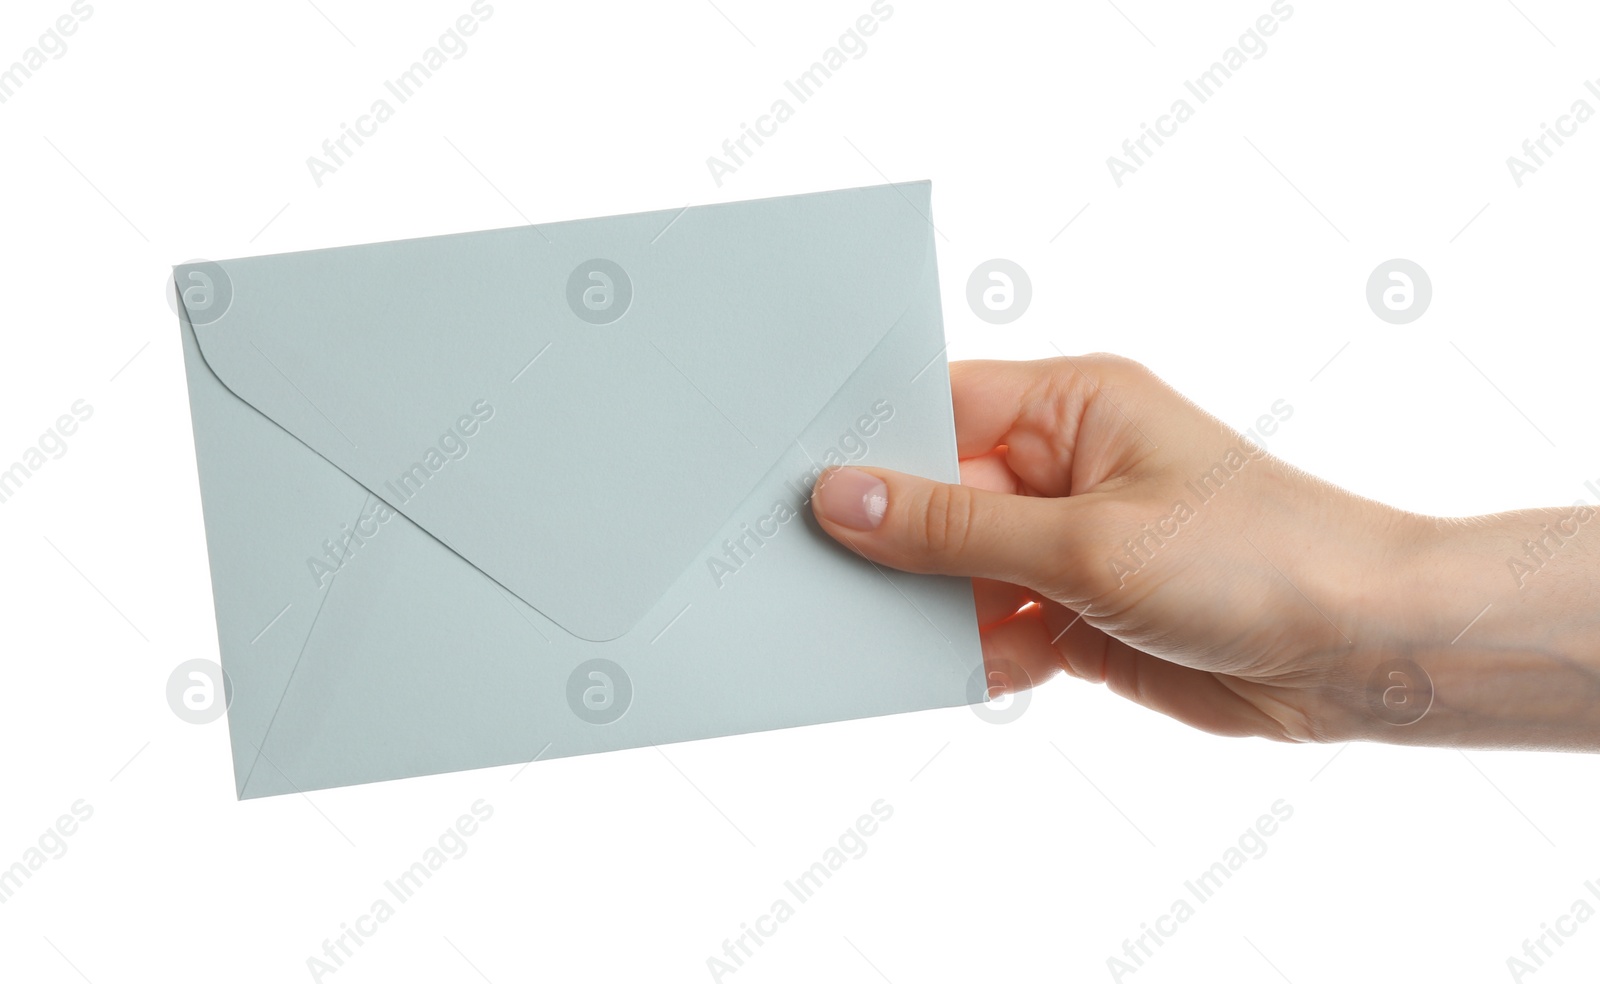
[{"x": 464, "y": 381}]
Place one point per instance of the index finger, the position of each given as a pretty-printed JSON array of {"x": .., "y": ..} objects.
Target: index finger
[{"x": 994, "y": 398}]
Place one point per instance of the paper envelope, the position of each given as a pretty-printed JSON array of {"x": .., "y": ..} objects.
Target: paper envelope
[{"x": 481, "y": 499}]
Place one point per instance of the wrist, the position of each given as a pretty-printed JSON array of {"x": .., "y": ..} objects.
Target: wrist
[
  {"x": 1464, "y": 636},
  {"x": 1367, "y": 681}
]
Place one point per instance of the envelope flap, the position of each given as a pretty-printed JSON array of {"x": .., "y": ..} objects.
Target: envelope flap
[{"x": 573, "y": 408}]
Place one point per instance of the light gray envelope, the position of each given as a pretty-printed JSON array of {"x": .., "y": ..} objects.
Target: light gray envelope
[{"x": 478, "y": 499}]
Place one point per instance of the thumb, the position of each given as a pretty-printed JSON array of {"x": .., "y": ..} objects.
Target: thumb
[{"x": 916, "y": 524}]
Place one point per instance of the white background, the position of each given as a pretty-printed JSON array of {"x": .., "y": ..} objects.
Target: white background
[{"x": 1234, "y": 264}]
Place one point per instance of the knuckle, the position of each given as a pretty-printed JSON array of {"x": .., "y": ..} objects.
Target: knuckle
[
  {"x": 947, "y": 519},
  {"x": 1092, "y": 548},
  {"x": 1118, "y": 372},
  {"x": 1112, "y": 364}
]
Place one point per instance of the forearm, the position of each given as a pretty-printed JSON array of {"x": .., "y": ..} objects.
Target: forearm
[{"x": 1499, "y": 616}]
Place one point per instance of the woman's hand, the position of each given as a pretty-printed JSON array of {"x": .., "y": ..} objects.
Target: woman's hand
[{"x": 1118, "y": 531}]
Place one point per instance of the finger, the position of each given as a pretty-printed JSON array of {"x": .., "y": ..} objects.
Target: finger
[
  {"x": 1197, "y": 698},
  {"x": 916, "y": 524},
  {"x": 990, "y": 471},
  {"x": 1058, "y": 635},
  {"x": 1017, "y": 654},
  {"x": 1027, "y": 649},
  {"x": 991, "y": 396},
  {"x": 997, "y": 601},
  {"x": 1039, "y": 411}
]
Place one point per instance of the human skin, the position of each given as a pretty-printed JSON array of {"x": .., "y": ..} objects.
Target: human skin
[{"x": 1277, "y": 606}]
